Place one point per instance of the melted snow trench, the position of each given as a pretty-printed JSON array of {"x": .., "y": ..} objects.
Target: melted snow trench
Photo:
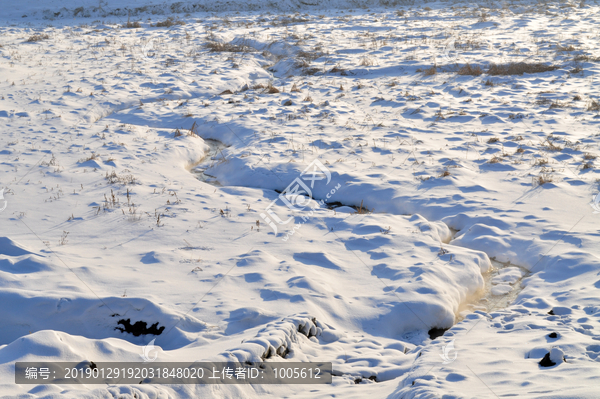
[
  {"x": 502, "y": 286},
  {"x": 208, "y": 161},
  {"x": 502, "y": 281}
]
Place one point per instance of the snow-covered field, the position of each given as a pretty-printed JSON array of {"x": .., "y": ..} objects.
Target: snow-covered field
[{"x": 247, "y": 175}]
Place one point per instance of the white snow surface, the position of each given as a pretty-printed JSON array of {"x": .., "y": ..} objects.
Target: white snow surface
[{"x": 137, "y": 164}]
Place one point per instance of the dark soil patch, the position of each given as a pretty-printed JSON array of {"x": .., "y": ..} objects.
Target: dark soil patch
[
  {"x": 546, "y": 362},
  {"x": 436, "y": 332},
  {"x": 139, "y": 328}
]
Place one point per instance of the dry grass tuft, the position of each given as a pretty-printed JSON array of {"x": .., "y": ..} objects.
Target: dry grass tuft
[
  {"x": 558, "y": 104},
  {"x": 366, "y": 61},
  {"x": 561, "y": 48},
  {"x": 493, "y": 140},
  {"x": 113, "y": 178},
  {"x": 543, "y": 101},
  {"x": 217, "y": 47},
  {"x": 550, "y": 146},
  {"x": 338, "y": 69},
  {"x": 300, "y": 63},
  {"x": 430, "y": 71},
  {"x": 92, "y": 157},
  {"x": 543, "y": 179},
  {"x": 193, "y": 132},
  {"x": 586, "y": 58},
  {"x": 593, "y": 106},
  {"x": 519, "y": 68},
  {"x": 363, "y": 210},
  {"x": 169, "y": 22},
  {"x": 38, "y": 37},
  {"x": 308, "y": 56},
  {"x": 470, "y": 70},
  {"x": 576, "y": 70},
  {"x": 271, "y": 89},
  {"x": 132, "y": 25},
  {"x": 310, "y": 71}
]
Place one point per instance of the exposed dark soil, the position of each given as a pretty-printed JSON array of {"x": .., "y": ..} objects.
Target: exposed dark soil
[{"x": 139, "y": 328}]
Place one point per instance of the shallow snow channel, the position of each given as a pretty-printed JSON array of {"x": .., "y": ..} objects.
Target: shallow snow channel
[
  {"x": 502, "y": 281},
  {"x": 212, "y": 158}
]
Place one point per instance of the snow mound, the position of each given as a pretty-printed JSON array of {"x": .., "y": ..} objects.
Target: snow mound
[
  {"x": 90, "y": 317},
  {"x": 9, "y": 247}
]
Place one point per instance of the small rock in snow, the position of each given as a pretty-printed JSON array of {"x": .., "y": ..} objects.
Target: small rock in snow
[{"x": 552, "y": 358}]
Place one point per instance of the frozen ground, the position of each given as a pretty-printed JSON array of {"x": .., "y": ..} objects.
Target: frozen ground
[{"x": 140, "y": 166}]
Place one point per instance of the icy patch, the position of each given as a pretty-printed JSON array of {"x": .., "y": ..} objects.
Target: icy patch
[{"x": 502, "y": 286}]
